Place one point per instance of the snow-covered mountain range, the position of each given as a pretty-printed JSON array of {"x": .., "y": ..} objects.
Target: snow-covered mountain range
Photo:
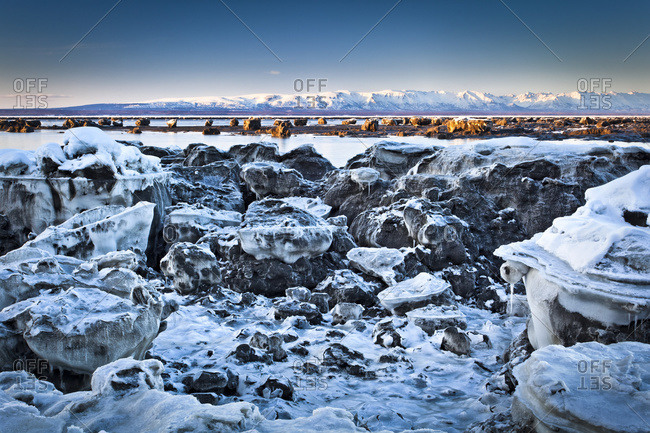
[{"x": 394, "y": 102}]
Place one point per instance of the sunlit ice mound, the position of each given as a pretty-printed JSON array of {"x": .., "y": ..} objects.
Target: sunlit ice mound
[
  {"x": 90, "y": 169},
  {"x": 587, "y": 277}
]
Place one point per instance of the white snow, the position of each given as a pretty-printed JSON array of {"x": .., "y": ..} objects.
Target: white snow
[{"x": 585, "y": 239}]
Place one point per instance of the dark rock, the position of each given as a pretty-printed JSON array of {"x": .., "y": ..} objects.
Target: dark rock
[
  {"x": 276, "y": 388},
  {"x": 211, "y": 131},
  {"x": 255, "y": 152},
  {"x": 455, "y": 341},
  {"x": 286, "y": 308},
  {"x": 200, "y": 154},
  {"x": 304, "y": 159},
  {"x": 272, "y": 179}
]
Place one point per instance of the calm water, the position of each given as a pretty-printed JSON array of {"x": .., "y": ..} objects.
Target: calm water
[{"x": 337, "y": 149}]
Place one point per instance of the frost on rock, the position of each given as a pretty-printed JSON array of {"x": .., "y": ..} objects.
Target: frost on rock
[
  {"x": 437, "y": 317},
  {"x": 274, "y": 179},
  {"x": 424, "y": 289},
  {"x": 377, "y": 262},
  {"x": 312, "y": 205},
  {"x": 275, "y": 229},
  {"x": 188, "y": 223},
  {"x": 588, "y": 276},
  {"x": 99, "y": 231},
  {"x": 193, "y": 268},
  {"x": 568, "y": 388},
  {"x": 81, "y": 329},
  {"x": 91, "y": 169},
  {"x": 126, "y": 396}
]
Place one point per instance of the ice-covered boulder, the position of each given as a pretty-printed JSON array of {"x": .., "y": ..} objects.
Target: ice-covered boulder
[
  {"x": 306, "y": 160},
  {"x": 344, "y": 286},
  {"x": 312, "y": 205},
  {"x": 188, "y": 223},
  {"x": 588, "y": 276},
  {"x": 274, "y": 179},
  {"x": 99, "y": 231},
  {"x": 377, "y": 262},
  {"x": 26, "y": 271},
  {"x": 436, "y": 228},
  {"x": 437, "y": 317},
  {"x": 214, "y": 185},
  {"x": 391, "y": 159},
  {"x": 422, "y": 290},
  {"x": 82, "y": 329},
  {"x": 275, "y": 229},
  {"x": 89, "y": 170},
  {"x": 126, "y": 396},
  {"x": 589, "y": 387},
  {"x": 192, "y": 268}
]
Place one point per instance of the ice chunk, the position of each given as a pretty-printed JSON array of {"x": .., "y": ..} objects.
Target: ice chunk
[
  {"x": 99, "y": 231},
  {"x": 568, "y": 388},
  {"x": 83, "y": 329},
  {"x": 377, "y": 262},
  {"x": 416, "y": 292},
  {"x": 275, "y": 229}
]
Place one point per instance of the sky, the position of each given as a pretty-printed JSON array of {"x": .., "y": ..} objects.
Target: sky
[{"x": 146, "y": 50}]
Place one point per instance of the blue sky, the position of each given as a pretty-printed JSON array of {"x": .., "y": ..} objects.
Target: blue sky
[{"x": 145, "y": 50}]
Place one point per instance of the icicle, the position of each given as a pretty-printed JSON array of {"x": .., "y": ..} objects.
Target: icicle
[{"x": 511, "y": 307}]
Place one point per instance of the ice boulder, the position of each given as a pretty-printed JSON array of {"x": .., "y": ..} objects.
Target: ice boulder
[
  {"x": 275, "y": 229},
  {"x": 81, "y": 329},
  {"x": 99, "y": 231},
  {"x": 589, "y": 387},
  {"x": 587, "y": 277},
  {"x": 422, "y": 290}
]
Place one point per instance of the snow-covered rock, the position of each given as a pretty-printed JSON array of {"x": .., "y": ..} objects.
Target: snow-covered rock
[
  {"x": 589, "y": 387},
  {"x": 424, "y": 289},
  {"x": 364, "y": 176},
  {"x": 377, "y": 262},
  {"x": 82, "y": 329},
  {"x": 274, "y": 229},
  {"x": 99, "y": 231},
  {"x": 192, "y": 267},
  {"x": 587, "y": 277}
]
